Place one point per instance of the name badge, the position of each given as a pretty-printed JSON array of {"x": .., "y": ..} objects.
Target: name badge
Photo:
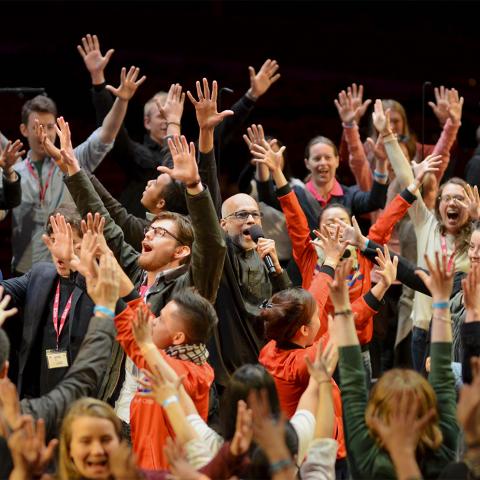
[
  {"x": 57, "y": 358},
  {"x": 40, "y": 214}
]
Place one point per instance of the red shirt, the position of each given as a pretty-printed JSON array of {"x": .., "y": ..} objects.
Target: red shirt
[
  {"x": 336, "y": 191},
  {"x": 148, "y": 422},
  {"x": 289, "y": 370}
]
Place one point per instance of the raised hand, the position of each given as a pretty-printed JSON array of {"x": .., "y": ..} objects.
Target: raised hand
[
  {"x": 360, "y": 106},
  {"x": 264, "y": 154},
  {"x": 158, "y": 386},
  {"x": 387, "y": 269},
  {"x": 339, "y": 287},
  {"x": 96, "y": 224},
  {"x": 472, "y": 202},
  {"x": 185, "y": 168},
  {"x": 326, "y": 358},
  {"x": 255, "y": 136},
  {"x": 9, "y": 403},
  {"x": 403, "y": 429},
  {"x": 381, "y": 119},
  {"x": 178, "y": 462},
  {"x": 455, "y": 106},
  {"x": 243, "y": 430},
  {"x": 440, "y": 280},
  {"x": 123, "y": 464},
  {"x": 471, "y": 298},
  {"x": 10, "y": 155},
  {"x": 378, "y": 148},
  {"x": 345, "y": 108},
  {"x": 61, "y": 246},
  {"x": 86, "y": 264},
  {"x": 4, "y": 314},
  {"x": 441, "y": 105},
  {"x": 206, "y": 106},
  {"x": 66, "y": 148},
  {"x": 431, "y": 164},
  {"x": 331, "y": 244},
  {"x": 141, "y": 328},
  {"x": 103, "y": 287},
  {"x": 260, "y": 82},
  {"x": 351, "y": 234},
  {"x": 128, "y": 84},
  {"x": 93, "y": 58},
  {"x": 172, "y": 109}
]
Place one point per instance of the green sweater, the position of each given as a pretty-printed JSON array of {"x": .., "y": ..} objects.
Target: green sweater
[{"x": 365, "y": 458}]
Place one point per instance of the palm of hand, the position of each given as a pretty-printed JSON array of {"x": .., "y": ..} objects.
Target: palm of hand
[
  {"x": 207, "y": 115},
  {"x": 126, "y": 90},
  {"x": 379, "y": 120},
  {"x": 454, "y": 111},
  {"x": 94, "y": 61},
  {"x": 261, "y": 83},
  {"x": 184, "y": 168},
  {"x": 347, "y": 113},
  {"x": 442, "y": 110}
]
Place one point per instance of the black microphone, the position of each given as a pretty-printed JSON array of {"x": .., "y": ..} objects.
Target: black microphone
[{"x": 256, "y": 232}]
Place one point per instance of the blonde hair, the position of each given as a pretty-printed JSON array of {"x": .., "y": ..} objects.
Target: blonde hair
[
  {"x": 160, "y": 96},
  {"x": 382, "y": 397},
  {"x": 84, "y": 407}
]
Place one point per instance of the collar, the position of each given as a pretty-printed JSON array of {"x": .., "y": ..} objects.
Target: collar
[
  {"x": 288, "y": 345},
  {"x": 336, "y": 191},
  {"x": 165, "y": 276},
  {"x": 196, "y": 353}
]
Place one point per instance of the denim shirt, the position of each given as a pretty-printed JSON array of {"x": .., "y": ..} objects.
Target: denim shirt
[{"x": 30, "y": 217}]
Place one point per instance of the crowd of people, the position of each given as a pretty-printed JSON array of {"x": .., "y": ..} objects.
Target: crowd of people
[{"x": 301, "y": 328}]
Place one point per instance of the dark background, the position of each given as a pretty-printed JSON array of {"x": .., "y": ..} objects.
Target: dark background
[{"x": 390, "y": 47}]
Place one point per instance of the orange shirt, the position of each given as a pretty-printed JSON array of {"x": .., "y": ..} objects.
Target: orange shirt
[
  {"x": 148, "y": 422},
  {"x": 289, "y": 370}
]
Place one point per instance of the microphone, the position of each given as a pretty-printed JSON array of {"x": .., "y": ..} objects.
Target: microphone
[{"x": 256, "y": 232}]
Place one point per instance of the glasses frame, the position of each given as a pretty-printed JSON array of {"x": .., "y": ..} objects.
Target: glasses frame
[
  {"x": 161, "y": 229},
  {"x": 234, "y": 214}
]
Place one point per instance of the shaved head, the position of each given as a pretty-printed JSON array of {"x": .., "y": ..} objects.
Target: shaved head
[{"x": 235, "y": 203}]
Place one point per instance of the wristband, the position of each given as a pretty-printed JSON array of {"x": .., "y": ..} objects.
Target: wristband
[
  {"x": 169, "y": 400},
  {"x": 343, "y": 313},
  {"x": 173, "y": 123},
  {"x": 280, "y": 465},
  {"x": 104, "y": 310},
  {"x": 444, "y": 304},
  {"x": 380, "y": 175},
  {"x": 366, "y": 244},
  {"x": 384, "y": 135}
]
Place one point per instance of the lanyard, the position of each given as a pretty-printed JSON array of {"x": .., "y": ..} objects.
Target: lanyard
[
  {"x": 58, "y": 328},
  {"x": 33, "y": 172},
  {"x": 451, "y": 261}
]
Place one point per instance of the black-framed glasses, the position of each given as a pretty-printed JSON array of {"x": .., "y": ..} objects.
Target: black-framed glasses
[
  {"x": 161, "y": 232},
  {"x": 242, "y": 215}
]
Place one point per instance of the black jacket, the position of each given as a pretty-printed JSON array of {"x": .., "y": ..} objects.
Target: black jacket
[
  {"x": 31, "y": 293},
  {"x": 10, "y": 193}
]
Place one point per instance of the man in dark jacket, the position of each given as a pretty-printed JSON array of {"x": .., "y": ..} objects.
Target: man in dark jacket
[
  {"x": 162, "y": 119},
  {"x": 55, "y": 313}
]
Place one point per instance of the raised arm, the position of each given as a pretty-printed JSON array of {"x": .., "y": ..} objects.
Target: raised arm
[
  {"x": 208, "y": 119},
  {"x": 348, "y": 111},
  {"x": 209, "y": 248}
]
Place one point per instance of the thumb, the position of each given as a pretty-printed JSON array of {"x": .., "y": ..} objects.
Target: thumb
[
  {"x": 432, "y": 106},
  {"x": 111, "y": 89},
  {"x": 251, "y": 72},
  {"x": 226, "y": 113},
  {"x": 282, "y": 150},
  {"x": 168, "y": 171},
  {"x": 371, "y": 142},
  {"x": 108, "y": 55},
  {"x": 366, "y": 103}
]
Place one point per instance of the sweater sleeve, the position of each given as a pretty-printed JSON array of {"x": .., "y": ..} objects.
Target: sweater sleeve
[
  {"x": 357, "y": 159},
  {"x": 470, "y": 335},
  {"x": 224, "y": 464},
  {"x": 123, "y": 322},
  {"x": 366, "y": 202},
  {"x": 11, "y": 193},
  {"x": 443, "y": 383},
  {"x": 321, "y": 293},
  {"x": 299, "y": 232},
  {"x": 381, "y": 230},
  {"x": 444, "y": 145}
]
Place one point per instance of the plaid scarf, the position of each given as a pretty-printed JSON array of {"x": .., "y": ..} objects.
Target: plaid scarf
[{"x": 196, "y": 353}]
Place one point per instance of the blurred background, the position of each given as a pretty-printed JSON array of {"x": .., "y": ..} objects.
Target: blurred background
[{"x": 390, "y": 47}]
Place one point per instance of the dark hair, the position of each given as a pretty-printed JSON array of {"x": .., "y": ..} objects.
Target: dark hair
[
  {"x": 320, "y": 139},
  {"x": 334, "y": 205},
  {"x": 38, "y": 104},
  {"x": 198, "y": 315},
  {"x": 174, "y": 195},
  {"x": 245, "y": 378},
  {"x": 4, "y": 347},
  {"x": 287, "y": 311},
  {"x": 184, "y": 228},
  {"x": 463, "y": 237},
  {"x": 72, "y": 216}
]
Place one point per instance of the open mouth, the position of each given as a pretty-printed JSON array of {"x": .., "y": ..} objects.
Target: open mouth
[
  {"x": 146, "y": 248},
  {"x": 101, "y": 463},
  {"x": 453, "y": 214}
]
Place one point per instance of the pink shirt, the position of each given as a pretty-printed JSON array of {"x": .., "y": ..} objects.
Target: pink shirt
[{"x": 336, "y": 191}]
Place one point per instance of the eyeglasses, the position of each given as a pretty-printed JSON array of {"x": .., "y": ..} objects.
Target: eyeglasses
[
  {"x": 456, "y": 198},
  {"x": 161, "y": 232},
  {"x": 242, "y": 215}
]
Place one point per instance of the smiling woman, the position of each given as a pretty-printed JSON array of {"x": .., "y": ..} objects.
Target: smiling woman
[{"x": 90, "y": 433}]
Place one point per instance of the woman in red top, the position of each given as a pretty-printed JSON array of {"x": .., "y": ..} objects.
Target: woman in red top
[{"x": 291, "y": 324}]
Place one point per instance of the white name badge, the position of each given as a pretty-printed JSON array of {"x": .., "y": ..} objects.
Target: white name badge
[{"x": 57, "y": 358}]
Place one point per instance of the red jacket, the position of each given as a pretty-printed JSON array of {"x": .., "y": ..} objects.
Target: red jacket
[
  {"x": 149, "y": 425},
  {"x": 289, "y": 370},
  {"x": 364, "y": 304}
]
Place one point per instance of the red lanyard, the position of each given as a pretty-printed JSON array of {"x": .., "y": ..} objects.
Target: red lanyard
[
  {"x": 451, "y": 261},
  {"x": 58, "y": 328},
  {"x": 33, "y": 172}
]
